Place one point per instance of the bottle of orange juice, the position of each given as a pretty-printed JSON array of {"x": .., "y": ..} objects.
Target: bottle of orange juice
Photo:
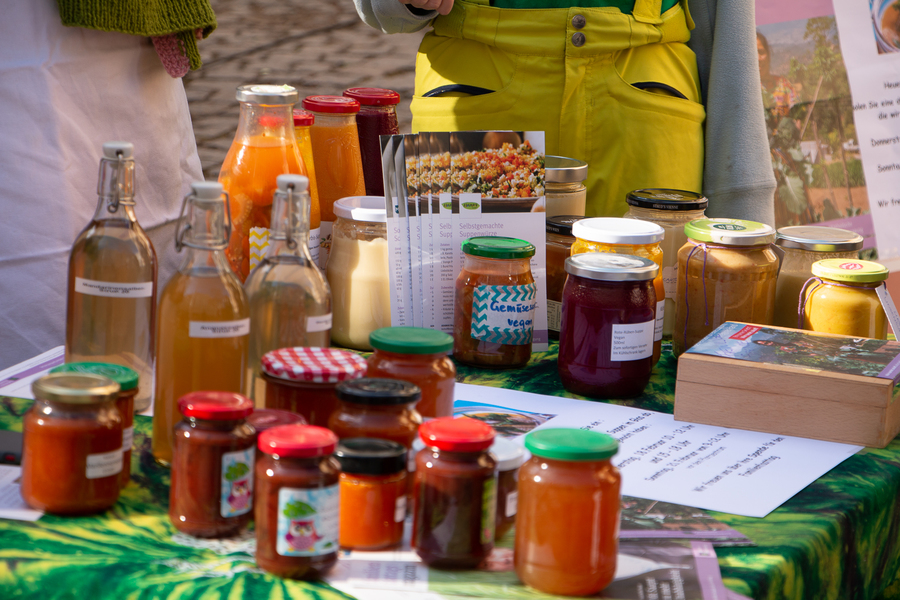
[
  {"x": 264, "y": 147},
  {"x": 303, "y": 120}
]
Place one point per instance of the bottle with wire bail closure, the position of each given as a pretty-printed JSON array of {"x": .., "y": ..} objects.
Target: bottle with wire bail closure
[
  {"x": 111, "y": 295},
  {"x": 290, "y": 301}
]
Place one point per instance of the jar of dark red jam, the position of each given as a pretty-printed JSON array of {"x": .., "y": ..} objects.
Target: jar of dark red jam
[
  {"x": 298, "y": 510},
  {"x": 377, "y": 116},
  {"x": 302, "y": 380},
  {"x": 377, "y": 408},
  {"x": 455, "y": 493},
  {"x": 212, "y": 465},
  {"x": 608, "y": 324}
]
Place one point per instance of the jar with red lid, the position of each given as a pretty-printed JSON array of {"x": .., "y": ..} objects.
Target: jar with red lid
[
  {"x": 212, "y": 465},
  {"x": 302, "y": 380},
  {"x": 377, "y": 408},
  {"x": 455, "y": 493},
  {"x": 297, "y": 516},
  {"x": 377, "y": 116},
  {"x": 263, "y": 419}
]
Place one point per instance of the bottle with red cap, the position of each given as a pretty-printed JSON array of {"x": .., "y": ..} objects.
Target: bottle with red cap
[
  {"x": 455, "y": 493},
  {"x": 297, "y": 516},
  {"x": 377, "y": 116},
  {"x": 212, "y": 465}
]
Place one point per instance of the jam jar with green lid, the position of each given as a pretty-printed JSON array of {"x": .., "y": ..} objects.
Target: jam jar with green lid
[{"x": 841, "y": 298}]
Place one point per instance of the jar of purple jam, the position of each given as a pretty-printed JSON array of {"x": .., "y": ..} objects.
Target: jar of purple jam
[
  {"x": 377, "y": 116},
  {"x": 608, "y": 320}
]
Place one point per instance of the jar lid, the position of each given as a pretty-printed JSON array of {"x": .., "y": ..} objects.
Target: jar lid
[
  {"x": 215, "y": 406},
  {"x": 508, "y": 454},
  {"x": 303, "y": 118},
  {"x": 457, "y": 435},
  {"x": 75, "y": 388},
  {"x": 562, "y": 224},
  {"x": 331, "y": 104},
  {"x": 666, "y": 199},
  {"x": 264, "y": 419},
  {"x": 607, "y": 266},
  {"x": 370, "y": 456},
  {"x": 850, "y": 270},
  {"x": 361, "y": 208},
  {"x": 571, "y": 444},
  {"x": 411, "y": 340},
  {"x": 298, "y": 441},
  {"x": 271, "y": 95},
  {"x": 125, "y": 377},
  {"x": 816, "y": 238},
  {"x": 314, "y": 365},
  {"x": 618, "y": 230},
  {"x": 378, "y": 391},
  {"x": 367, "y": 96},
  {"x": 559, "y": 169},
  {"x": 498, "y": 247},
  {"x": 730, "y": 232}
]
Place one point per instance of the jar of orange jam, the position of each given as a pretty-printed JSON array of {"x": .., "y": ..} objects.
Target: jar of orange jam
[
  {"x": 72, "y": 448},
  {"x": 420, "y": 356},
  {"x": 568, "y": 521},
  {"x": 373, "y": 493},
  {"x": 559, "y": 248},
  {"x": 841, "y": 298},
  {"x": 377, "y": 408}
]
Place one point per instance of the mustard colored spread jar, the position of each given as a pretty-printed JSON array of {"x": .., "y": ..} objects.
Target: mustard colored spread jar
[{"x": 841, "y": 298}]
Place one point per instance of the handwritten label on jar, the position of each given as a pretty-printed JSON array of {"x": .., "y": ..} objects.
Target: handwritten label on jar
[
  {"x": 512, "y": 504},
  {"x": 315, "y": 238},
  {"x": 237, "y": 482},
  {"x": 660, "y": 317},
  {"x": 104, "y": 464},
  {"x": 504, "y": 314},
  {"x": 632, "y": 341},
  {"x": 108, "y": 289},
  {"x": 554, "y": 315},
  {"x": 219, "y": 329},
  {"x": 400, "y": 509},
  {"x": 127, "y": 438},
  {"x": 318, "y": 323},
  {"x": 307, "y": 521},
  {"x": 670, "y": 281}
]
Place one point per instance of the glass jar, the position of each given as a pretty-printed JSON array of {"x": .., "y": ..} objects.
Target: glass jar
[
  {"x": 419, "y": 356},
  {"x": 264, "y": 147},
  {"x": 297, "y": 517},
  {"x": 377, "y": 408},
  {"x": 841, "y": 298},
  {"x": 128, "y": 391},
  {"x": 564, "y": 187},
  {"x": 358, "y": 271},
  {"x": 213, "y": 458},
  {"x": 373, "y": 493},
  {"x": 509, "y": 456},
  {"x": 303, "y": 120},
  {"x": 495, "y": 300},
  {"x": 455, "y": 493},
  {"x": 72, "y": 446},
  {"x": 800, "y": 246},
  {"x": 608, "y": 324},
  {"x": 671, "y": 210},
  {"x": 377, "y": 116},
  {"x": 726, "y": 272},
  {"x": 302, "y": 380},
  {"x": 559, "y": 247},
  {"x": 264, "y": 419},
  {"x": 568, "y": 521},
  {"x": 632, "y": 237}
]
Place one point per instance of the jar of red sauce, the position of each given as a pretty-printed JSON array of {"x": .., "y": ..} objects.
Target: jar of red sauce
[
  {"x": 377, "y": 408},
  {"x": 212, "y": 465},
  {"x": 455, "y": 493},
  {"x": 72, "y": 448},
  {"x": 568, "y": 521},
  {"x": 509, "y": 456},
  {"x": 420, "y": 356},
  {"x": 377, "y": 116},
  {"x": 298, "y": 509},
  {"x": 608, "y": 324},
  {"x": 302, "y": 380},
  {"x": 373, "y": 493}
]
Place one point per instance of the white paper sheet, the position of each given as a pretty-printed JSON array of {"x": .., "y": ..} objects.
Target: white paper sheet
[
  {"x": 11, "y": 504},
  {"x": 16, "y": 380}
]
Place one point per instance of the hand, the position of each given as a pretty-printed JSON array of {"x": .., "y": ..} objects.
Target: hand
[{"x": 442, "y": 6}]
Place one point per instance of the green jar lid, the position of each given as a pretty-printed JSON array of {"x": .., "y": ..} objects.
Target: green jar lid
[
  {"x": 730, "y": 232},
  {"x": 571, "y": 444},
  {"x": 498, "y": 247},
  {"x": 125, "y": 377},
  {"x": 850, "y": 270},
  {"x": 411, "y": 340}
]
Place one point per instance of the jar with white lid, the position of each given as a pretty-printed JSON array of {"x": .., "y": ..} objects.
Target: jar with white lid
[{"x": 565, "y": 190}]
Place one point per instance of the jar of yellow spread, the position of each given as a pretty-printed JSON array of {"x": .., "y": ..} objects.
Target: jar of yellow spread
[
  {"x": 726, "y": 272},
  {"x": 841, "y": 298},
  {"x": 801, "y": 246}
]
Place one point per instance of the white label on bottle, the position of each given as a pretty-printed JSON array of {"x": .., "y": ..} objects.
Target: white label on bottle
[
  {"x": 127, "y": 438},
  {"x": 219, "y": 329},
  {"x": 318, "y": 323},
  {"x": 108, "y": 289},
  {"x": 237, "y": 482},
  {"x": 315, "y": 238},
  {"x": 512, "y": 503},
  {"x": 104, "y": 465},
  {"x": 554, "y": 315},
  {"x": 400, "y": 508},
  {"x": 660, "y": 316},
  {"x": 307, "y": 521},
  {"x": 633, "y": 341}
]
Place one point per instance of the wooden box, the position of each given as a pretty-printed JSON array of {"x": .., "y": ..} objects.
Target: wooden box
[{"x": 798, "y": 383}]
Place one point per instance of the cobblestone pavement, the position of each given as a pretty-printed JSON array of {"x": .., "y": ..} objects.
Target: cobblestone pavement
[{"x": 317, "y": 46}]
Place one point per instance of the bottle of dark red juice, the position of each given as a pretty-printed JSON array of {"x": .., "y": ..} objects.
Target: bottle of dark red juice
[{"x": 377, "y": 116}]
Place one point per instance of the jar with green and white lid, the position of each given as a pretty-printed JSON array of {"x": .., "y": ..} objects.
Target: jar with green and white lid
[{"x": 841, "y": 297}]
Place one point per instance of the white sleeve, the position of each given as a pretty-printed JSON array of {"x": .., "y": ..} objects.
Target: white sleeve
[{"x": 391, "y": 16}]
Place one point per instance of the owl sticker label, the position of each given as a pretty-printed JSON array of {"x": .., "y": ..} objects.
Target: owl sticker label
[
  {"x": 237, "y": 483},
  {"x": 307, "y": 521}
]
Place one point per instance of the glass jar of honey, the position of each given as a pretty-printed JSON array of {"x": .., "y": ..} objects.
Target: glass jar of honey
[
  {"x": 559, "y": 247},
  {"x": 565, "y": 189},
  {"x": 377, "y": 116},
  {"x": 841, "y": 298},
  {"x": 377, "y": 408},
  {"x": 568, "y": 521},
  {"x": 72, "y": 447}
]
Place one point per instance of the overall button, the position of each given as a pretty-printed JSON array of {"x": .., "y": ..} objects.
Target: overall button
[
  {"x": 578, "y": 39},
  {"x": 578, "y": 21}
]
